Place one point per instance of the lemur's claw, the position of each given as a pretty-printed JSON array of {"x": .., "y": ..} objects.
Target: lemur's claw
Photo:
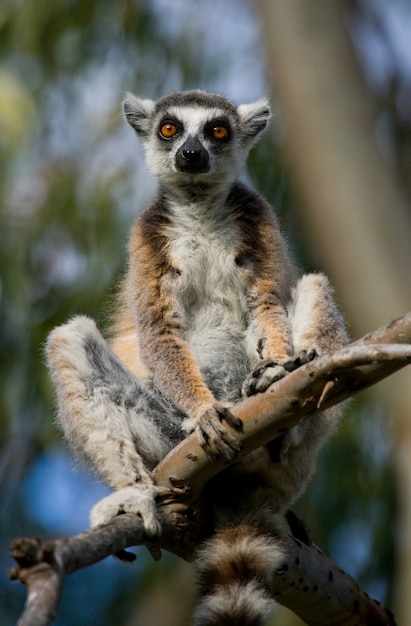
[
  {"x": 215, "y": 438},
  {"x": 269, "y": 371}
]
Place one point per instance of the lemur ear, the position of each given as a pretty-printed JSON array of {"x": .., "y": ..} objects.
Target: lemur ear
[
  {"x": 254, "y": 117},
  {"x": 138, "y": 113}
]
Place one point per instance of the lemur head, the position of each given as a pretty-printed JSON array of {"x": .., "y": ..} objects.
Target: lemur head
[{"x": 195, "y": 139}]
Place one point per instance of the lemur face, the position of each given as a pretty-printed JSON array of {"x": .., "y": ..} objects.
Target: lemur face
[{"x": 194, "y": 137}]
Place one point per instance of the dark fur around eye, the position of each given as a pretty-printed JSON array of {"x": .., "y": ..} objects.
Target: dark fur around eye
[
  {"x": 169, "y": 120},
  {"x": 220, "y": 121}
]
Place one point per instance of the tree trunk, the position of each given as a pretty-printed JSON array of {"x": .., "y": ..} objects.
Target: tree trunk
[{"x": 354, "y": 208}]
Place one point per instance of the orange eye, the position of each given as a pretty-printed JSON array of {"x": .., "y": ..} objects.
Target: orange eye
[
  {"x": 168, "y": 130},
  {"x": 220, "y": 132}
]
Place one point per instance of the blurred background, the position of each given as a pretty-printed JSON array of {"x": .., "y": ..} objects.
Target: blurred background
[{"x": 72, "y": 178}]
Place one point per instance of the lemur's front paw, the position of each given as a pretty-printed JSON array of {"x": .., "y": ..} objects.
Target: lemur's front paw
[
  {"x": 266, "y": 373},
  {"x": 269, "y": 371},
  {"x": 215, "y": 438},
  {"x": 134, "y": 500}
]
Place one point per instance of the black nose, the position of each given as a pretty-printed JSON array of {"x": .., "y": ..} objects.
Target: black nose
[{"x": 192, "y": 157}]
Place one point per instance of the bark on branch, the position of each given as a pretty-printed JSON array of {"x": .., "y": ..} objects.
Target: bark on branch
[
  {"x": 304, "y": 392},
  {"x": 307, "y": 582}
]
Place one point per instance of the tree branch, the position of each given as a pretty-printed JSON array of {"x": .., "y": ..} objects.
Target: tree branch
[
  {"x": 308, "y": 390},
  {"x": 320, "y": 593},
  {"x": 303, "y": 581},
  {"x": 42, "y": 566}
]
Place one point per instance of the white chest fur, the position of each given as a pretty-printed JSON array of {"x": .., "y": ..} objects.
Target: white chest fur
[
  {"x": 209, "y": 288},
  {"x": 203, "y": 252}
]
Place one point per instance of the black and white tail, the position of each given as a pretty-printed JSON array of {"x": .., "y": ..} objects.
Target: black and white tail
[{"x": 235, "y": 570}]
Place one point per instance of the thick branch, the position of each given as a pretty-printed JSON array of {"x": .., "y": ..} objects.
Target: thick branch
[
  {"x": 307, "y": 582},
  {"x": 42, "y": 566},
  {"x": 306, "y": 391},
  {"x": 320, "y": 593},
  {"x": 315, "y": 386}
]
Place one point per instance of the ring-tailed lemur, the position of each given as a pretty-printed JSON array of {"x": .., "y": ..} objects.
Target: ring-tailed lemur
[{"x": 210, "y": 295}]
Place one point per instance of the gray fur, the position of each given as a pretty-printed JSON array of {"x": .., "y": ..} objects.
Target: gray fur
[
  {"x": 124, "y": 423},
  {"x": 196, "y": 108}
]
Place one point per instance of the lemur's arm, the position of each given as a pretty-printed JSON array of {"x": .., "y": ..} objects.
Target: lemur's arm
[
  {"x": 292, "y": 320},
  {"x": 162, "y": 347},
  {"x": 270, "y": 318},
  {"x": 271, "y": 279}
]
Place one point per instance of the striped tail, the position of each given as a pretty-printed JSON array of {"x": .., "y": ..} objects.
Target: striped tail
[{"x": 235, "y": 571}]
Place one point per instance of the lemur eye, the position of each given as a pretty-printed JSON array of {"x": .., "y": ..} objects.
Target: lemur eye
[
  {"x": 168, "y": 130},
  {"x": 220, "y": 132}
]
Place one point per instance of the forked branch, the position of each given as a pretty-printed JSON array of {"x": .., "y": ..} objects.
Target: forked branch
[{"x": 307, "y": 582}]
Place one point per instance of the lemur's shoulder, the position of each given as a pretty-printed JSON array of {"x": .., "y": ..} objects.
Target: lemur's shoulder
[
  {"x": 249, "y": 206},
  {"x": 261, "y": 237},
  {"x": 148, "y": 234},
  {"x": 155, "y": 216},
  {"x": 244, "y": 197}
]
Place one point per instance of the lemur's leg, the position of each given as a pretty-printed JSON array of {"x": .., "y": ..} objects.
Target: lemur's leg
[
  {"x": 109, "y": 417},
  {"x": 317, "y": 327},
  {"x": 316, "y": 322},
  {"x": 235, "y": 569}
]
